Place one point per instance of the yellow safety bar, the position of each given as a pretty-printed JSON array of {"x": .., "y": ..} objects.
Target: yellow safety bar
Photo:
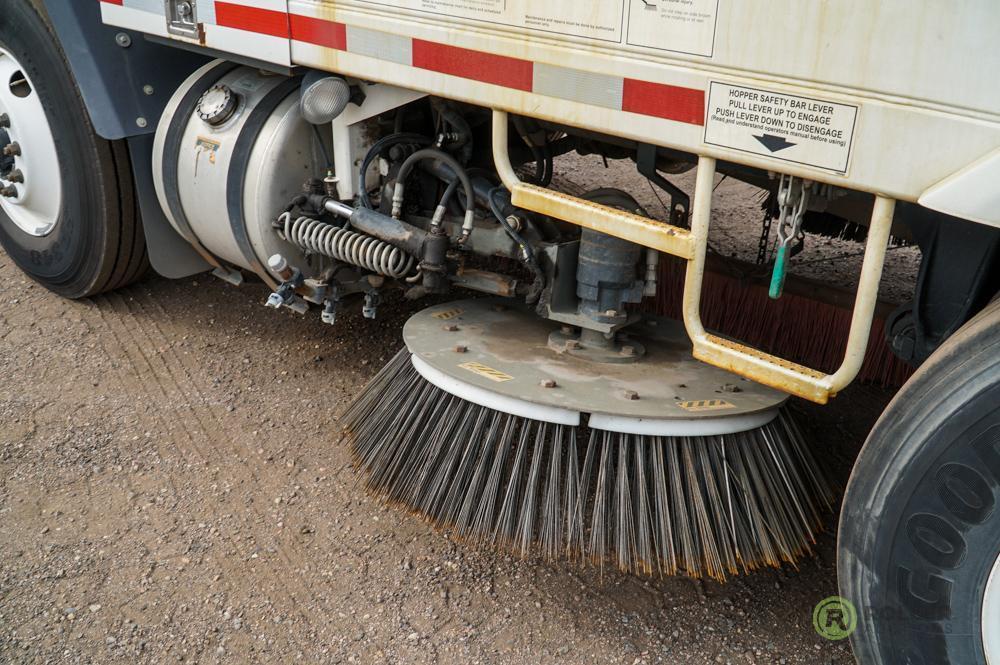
[{"x": 692, "y": 245}]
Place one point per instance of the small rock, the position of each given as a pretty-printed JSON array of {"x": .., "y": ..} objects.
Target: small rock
[
  {"x": 94, "y": 608},
  {"x": 413, "y": 637}
]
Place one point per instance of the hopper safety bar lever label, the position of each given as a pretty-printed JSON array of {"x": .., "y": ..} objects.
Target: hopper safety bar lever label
[{"x": 692, "y": 246}]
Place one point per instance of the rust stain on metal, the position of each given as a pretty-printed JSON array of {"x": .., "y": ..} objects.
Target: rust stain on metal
[
  {"x": 605, "y": 219},
  {"x": 766, "y": 369}
]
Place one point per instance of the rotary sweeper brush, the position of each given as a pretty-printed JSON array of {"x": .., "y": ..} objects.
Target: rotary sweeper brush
[{"x": 521, "y": 434}]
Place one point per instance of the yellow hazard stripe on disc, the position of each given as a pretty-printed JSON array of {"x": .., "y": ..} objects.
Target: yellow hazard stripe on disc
[
  {"x": 488, "y": 372},
  {"x": 706, "y": 405}
]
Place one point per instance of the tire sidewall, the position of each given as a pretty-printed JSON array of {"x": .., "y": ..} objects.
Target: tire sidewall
[
  {"x": 62, "y": 259},
  {"x": 920, "y": 529}
]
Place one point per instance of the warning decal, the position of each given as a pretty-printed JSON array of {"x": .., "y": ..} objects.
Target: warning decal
[
  {"x": 683, "y": 26},
  {"x": 706, "y": 405},
  {"x": 488, "y": 372},
  {"x": 802, "y": 130},
  {"x": 680, "y": 26}
]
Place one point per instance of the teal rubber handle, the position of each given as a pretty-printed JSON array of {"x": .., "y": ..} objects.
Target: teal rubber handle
[{"x": 780, "y": 270}]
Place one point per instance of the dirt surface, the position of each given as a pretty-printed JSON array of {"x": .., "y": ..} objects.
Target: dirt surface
[{"x": 172, "y": 490}]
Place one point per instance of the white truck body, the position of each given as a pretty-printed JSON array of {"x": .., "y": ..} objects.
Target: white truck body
[{"x": 845, "y": 92}]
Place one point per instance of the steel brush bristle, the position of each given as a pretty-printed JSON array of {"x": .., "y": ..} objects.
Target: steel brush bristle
[{"x": 703, "y": 506}]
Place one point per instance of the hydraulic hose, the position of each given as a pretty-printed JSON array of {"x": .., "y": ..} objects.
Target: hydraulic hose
[
  {"x": 375, "y": 150},
  {"x": 527, "y": 252},
  {"x": 460, "y": 172}
]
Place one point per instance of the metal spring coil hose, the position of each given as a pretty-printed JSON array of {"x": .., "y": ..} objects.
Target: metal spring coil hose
[{"x": 346, "y": 246}]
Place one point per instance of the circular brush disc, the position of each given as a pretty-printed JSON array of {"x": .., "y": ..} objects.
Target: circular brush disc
[{"x": 663, "y": 466}]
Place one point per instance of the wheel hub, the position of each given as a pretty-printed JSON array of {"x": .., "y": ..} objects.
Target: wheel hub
[{"x": 30, "y": 178}]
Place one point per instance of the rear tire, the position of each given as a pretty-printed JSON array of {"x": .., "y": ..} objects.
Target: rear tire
[
  {"x": 91, "y": 240},
  {"x": 920, "y": 527}
]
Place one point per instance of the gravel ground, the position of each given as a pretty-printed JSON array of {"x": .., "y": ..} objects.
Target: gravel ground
[{"x": 172, "y": 490}]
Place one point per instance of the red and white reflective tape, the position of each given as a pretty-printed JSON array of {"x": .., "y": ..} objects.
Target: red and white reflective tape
[
  {"x": 680, "y": 104},
  {"x": 268, "y": 18}
]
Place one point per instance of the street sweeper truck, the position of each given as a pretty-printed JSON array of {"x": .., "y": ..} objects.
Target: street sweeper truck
[{"x": 587, "y": 381}]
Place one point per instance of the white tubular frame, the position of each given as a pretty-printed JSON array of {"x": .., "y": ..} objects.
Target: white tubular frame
[{"x": 692, "y": 245}]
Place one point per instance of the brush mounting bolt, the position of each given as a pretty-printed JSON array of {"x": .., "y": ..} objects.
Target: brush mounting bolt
[
  {"x": 451, "y": 327},
  {"x": 547, "y": 383},
  {"x": 572, "y": 345},
  {"x": 630, "y": 395},
  {"x": 628, "y": 350},
  {"x": 12, "y": 149},
  {"x": 461, "y": 349},
  {"x": 8, "y": 192},
  {"x": 4, "y": 121},
  {"x": 15, "y": 176}
]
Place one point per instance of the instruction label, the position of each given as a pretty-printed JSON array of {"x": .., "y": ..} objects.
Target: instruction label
[
  {"x": 680, "y": 26},
  {"x": 601, "y": 20},
  {"x": 802, "y": 130}
]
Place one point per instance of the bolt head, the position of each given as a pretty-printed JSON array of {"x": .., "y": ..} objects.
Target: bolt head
[
  {"x": 630, "y": 395},
  {"x": 572, "y": 345},
  {"x": 141, "y": 122},
  {"x": 461, "y": 349},
  {"x": 451, "y": 327},
  {"x": 8, "y": 192},
  {"x": 611, "y": 313},
  {"x": 148, "y": 90},
  {"x": 547, "y": 383},
  {"x": 123, "y": 39},
  {"x": 15, "y": 176},
  {"x": 12, "y": 150},
  {"x": 628, "y": 350},
  {"x": 4, "y": 121}
]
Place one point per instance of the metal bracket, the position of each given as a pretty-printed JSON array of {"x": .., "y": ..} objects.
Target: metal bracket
[
  {"x": 182, "y": 18},
  {"x": 727, "y": 354}
]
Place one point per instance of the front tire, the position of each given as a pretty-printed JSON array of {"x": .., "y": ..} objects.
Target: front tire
[
  {"x": 920, "y": 529},
  {"x": 69, "y": 218}
]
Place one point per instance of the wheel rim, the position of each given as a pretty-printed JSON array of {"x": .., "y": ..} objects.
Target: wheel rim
[
  {"x": 34, "y": 203},
  {"x": 991, "y": 617}
]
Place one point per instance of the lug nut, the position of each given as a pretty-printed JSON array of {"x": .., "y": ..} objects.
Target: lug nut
[
  {"x": 451, "y": 327},
  {"x": 4, "y": 121},
  {"x": 461, "y": 349},
  {"x": 8, "y": 192},
  {"x": 547, "y": 383},
  {"x": 630, "y": 395},
  {"x": 12, "y": 150},
  {"x": 15, "y": 176}
]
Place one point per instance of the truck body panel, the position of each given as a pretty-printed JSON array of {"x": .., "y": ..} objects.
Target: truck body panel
[{"x": 842, "y": 93}]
